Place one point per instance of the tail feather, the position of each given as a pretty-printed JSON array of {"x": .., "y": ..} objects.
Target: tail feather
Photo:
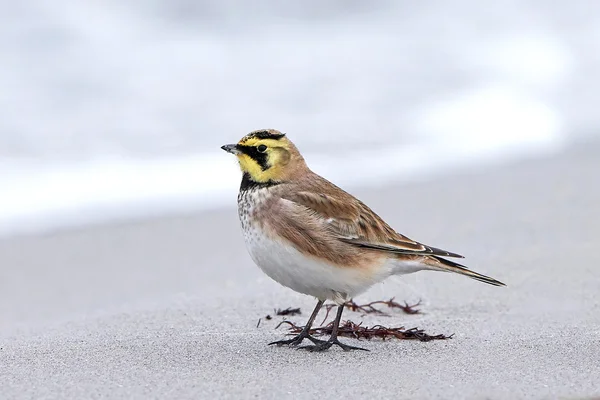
[{"x": 441, "y": 264}]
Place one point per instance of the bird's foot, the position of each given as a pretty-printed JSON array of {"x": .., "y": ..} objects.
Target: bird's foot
[
  {"x": 296, "y": 340},
  {"x": 323, "y": 346}
]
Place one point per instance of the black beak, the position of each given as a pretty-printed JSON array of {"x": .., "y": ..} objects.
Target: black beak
[{"x": 231, "y": 148}]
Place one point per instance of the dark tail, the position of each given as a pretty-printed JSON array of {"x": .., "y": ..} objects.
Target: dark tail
[{"x": 441, "y": 264}]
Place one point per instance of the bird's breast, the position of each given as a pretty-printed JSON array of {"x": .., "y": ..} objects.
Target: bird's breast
[{"x": 284, "y": 263}]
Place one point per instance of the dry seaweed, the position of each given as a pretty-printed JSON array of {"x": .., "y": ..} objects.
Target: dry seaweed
[
  {"x": 267, "y": 317},
  {"x": 369, "y": 308},
  {"x": 288, "y": 311},
  {"x": 358, "y": 331}
]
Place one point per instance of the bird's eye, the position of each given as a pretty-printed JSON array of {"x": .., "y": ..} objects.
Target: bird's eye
[{"x": 262, "y": 148}]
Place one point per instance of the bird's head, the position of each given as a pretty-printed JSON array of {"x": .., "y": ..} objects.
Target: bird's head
[{"x": 267, "y": 155}]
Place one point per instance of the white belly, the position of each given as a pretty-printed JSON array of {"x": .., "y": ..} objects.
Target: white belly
[{"x": 306, "y": 274}]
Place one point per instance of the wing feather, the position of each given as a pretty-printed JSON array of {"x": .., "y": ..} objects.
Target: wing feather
[{"x": 351, "y": 221}]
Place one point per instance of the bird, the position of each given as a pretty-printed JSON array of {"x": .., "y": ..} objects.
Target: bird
[{"x": 313, "y": 237}]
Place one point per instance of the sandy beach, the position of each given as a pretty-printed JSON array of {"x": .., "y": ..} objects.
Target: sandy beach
[{"x": 168, "y": 307}]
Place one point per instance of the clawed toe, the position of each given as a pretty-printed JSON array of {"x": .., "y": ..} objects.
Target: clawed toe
[
  {"x": 291, "y": 342},
  {"x": 318, "y": 345},
  {"x": 316, "y": 341},
  {"x": 296, "y": 341},
  {"x": 323, "y": 346},
  {"x": 346, "y": 347}
]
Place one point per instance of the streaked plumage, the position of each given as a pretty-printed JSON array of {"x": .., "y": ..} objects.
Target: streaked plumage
[{"x": 315, "y": 238}]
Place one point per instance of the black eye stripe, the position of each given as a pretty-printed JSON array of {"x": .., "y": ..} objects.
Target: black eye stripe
[{"x": 252, "y": 152}]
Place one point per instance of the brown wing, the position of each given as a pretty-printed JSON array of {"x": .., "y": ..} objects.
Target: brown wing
[{"x": 351, "y": 221}]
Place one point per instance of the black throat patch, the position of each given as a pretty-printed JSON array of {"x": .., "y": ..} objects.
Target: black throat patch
[{"x": 249, "y": 184}]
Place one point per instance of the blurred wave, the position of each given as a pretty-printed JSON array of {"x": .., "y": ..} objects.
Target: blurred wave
[{"x": 114, "y": 109}]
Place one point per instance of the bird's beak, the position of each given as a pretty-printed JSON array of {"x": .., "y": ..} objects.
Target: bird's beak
[{"x": 231, "y": 148}]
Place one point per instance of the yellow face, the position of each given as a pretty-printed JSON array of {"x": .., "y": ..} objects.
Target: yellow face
[{"x": 263, "y": 156}]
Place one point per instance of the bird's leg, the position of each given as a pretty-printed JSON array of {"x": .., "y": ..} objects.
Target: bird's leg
[
  {"x": 333, "y": 338},
  {"x": 304, "y": 334}
]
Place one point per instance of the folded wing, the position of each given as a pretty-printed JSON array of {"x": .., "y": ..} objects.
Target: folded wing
[{"x": 351, "y": 221}]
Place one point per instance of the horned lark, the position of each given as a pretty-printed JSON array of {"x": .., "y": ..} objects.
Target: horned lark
[{"x": 312, "y": 237}]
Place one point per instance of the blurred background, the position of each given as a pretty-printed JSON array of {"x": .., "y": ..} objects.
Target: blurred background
[{"x": 116, "y": 109}]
